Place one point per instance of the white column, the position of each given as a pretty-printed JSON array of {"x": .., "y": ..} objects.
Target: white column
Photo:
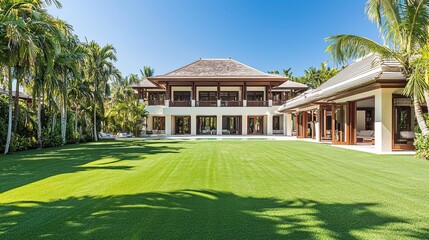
[
  {"x": 244, "y": 125},
  {"x": 269, "y": 124},
  {"x": 192, "y": 103},
  {"x": 317, "y": 125},
  {"x": 167, "y": 103},
  {"x": 168, "y": 125},
  {"x": 193, "y": 125},
  {"x": 285, "y": 124},
  {"x": 270, "y": 103},
  {"x": 383, "y": 120},
  {"x": 149, "y": 123},
  {"x": 218, "y": 103},
  {"x": 244, "y": 103},
  {"x": 289, "y": 124},
  {"x": 219, "y": 125}
]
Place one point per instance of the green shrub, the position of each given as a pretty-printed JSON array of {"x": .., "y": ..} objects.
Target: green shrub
[
  {"x": 422, "y": 146},
  {"x": 51, "y": 139},
  {"x": 22, "y": 143}
]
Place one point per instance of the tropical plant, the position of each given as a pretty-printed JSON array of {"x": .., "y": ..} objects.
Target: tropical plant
[
  {"x": 403, "y": 25},
  {"x": 99, "y": 69}
]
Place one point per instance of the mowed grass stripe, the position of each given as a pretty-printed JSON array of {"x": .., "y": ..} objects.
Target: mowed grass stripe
[{"x": 212, "y": 190}]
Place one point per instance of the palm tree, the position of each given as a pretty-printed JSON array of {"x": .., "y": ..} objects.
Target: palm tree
[
  {"x": 403, "y": 25},
  {"x": 66, "y": 67},
  {"x": 48, "y": 33},
  {"x": 147, "y": 72},
  {"x": 100, "y": 69},
  {"x": 17, "y": 48}
]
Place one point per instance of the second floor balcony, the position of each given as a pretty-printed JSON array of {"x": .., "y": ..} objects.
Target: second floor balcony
[{"x": 182, "y": 103}]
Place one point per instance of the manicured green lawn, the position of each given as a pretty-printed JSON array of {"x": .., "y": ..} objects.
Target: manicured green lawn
[{"x": 212, "y": 190}]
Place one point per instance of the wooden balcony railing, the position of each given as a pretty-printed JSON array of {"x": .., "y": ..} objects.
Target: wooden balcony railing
[
  {"x": 231, "y": 103},
  {"x": 279, "y": 102},
  {"x": 180, "y": 104},
  {"x": 257, "y": 103},
  {"x": 153, "y": 102},
  {"x": 206, "y": 103}
]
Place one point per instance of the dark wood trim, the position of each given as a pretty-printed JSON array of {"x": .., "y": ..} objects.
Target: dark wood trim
[
  {"x": 245, "y": 91},
  {"x": 394, "y": 146},
  {"x": 168, "y": 92},
  {"x": 218, "y": 90},
  {"x": 193, "y": 92},
  {"x": 346, "y": 130},
  {"x": 353, "y": 123}
]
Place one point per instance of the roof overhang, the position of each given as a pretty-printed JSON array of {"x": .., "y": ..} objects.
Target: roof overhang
[{"x": 382, "y": 80}]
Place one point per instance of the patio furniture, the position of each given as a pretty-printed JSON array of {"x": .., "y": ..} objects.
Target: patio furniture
[
  {"x": 365, "y": 136},
  {"x": 124, "y": 135},
  {"x": 106, "y": 136}
]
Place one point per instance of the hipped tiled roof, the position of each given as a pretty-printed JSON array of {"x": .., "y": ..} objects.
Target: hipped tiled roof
[
  {"x": 145, "y": 83},
  {"x": 292, "y": 85},
  {"x": 217, "y": 68}
]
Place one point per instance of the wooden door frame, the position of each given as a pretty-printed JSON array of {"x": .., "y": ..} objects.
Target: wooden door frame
[
  {"x": 394, "y": 146},
  {"x": 262, "y": 124},
  {"x": 346, "y": 130},
  {"x": 189, "y": 124},
  {"x": 304, "y": 117}
]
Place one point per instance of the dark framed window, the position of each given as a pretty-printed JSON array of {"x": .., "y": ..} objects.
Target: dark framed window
[
  {"x": 229, "y": 96},
  {"x": 276, "y": 123},
  {"x": 157, "y": 96},
  {"x": 207, "y": 96},
  {"x": 182, "y": 96},
  {"x": 231, "y": 125},
  {"x": 277, "y": 96},
  {"x": 206, "y": 125},
  {"x": 183, "y": 125},
  {"x": 255, "y": 96},
  {"x": 158, "y": 123}
]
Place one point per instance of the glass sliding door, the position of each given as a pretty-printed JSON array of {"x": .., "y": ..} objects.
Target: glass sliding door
[
  {"x": 231, "y": 125},
  {"x": 340, "y": 123},
  {"x": 158, "y": 124},
  {"x": 182, "y": 125},
  {"x": 311, "y": 118},
  {"x": 403, "y": 123},
  {"x": 326, "y": 123},
  {"x": 206, "y": 125},
  {"x": 301, "y": 124},
  {"x": 255, "y": 125}
]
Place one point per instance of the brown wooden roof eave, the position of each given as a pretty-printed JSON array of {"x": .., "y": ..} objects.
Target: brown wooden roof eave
[{"x": 220, "y": 79}]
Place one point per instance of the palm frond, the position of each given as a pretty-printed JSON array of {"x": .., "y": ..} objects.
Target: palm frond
[{"x": 345, "y": 47}]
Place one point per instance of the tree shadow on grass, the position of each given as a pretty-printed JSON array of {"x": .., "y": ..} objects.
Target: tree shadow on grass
[
  {"x": 188, "y": 214},
  {"x": 23, "y": 168}
]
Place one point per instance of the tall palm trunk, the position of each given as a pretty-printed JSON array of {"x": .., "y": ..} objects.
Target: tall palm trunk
[
  {"x": 39, "y": 120},
  {"x": 95, "y": 114},
  {"x": 95, "y": 123},
  {"x": 75, "y": 123},
  {"x": 16, "y": 107},
  {"x": 9, "y": 126},
  {"x": 64, "y": 121},
  {"x": 64, "y": 113},
  {"x": 420, "y": 119}
]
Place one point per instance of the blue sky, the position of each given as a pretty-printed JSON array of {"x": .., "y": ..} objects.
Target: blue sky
[{"x": 265, "y": 34}]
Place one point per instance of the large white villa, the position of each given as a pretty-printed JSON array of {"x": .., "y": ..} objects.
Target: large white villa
[
  {"x": 217, "y": 97},
  {"x": 361, "y": 105}
]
